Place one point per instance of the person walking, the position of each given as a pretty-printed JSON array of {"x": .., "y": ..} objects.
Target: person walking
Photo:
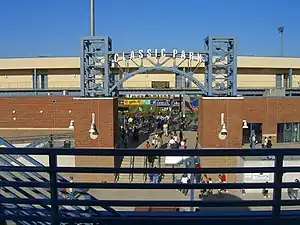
[{"x": 293, "y": 192}]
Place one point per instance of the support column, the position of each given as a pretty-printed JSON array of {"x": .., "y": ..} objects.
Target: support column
[
  {"x": 92, "y": 28},
  {"x": 35, "y": 83},
  {"x": 221, "y": 66},
  {"x": 95, "y": 75},
  {"x": 290, "y": 78}
]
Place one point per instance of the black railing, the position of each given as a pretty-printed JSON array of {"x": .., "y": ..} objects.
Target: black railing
[{"x": 54, "y": 214}]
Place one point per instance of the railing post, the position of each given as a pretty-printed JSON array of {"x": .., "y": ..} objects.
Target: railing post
[
  {"x": 277, "y": 192},
  {"x": 192, "y": 191},
  {"x": 53, "y": 187},
  {"x": 145, "y": 166}
]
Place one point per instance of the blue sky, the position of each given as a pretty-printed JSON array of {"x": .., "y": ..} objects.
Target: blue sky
[{"x": 55, "y": 27}]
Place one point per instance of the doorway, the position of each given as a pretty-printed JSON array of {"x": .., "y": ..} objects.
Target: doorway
[{"x": 255, "y": 128}]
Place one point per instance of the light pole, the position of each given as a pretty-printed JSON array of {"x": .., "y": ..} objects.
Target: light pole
[
  {"x": 92, "y": 18},
  {"x": 281, "y": 31}
]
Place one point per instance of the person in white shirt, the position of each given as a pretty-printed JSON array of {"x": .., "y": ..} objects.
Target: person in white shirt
[
  {"x": 184, "y": 180},
  {"x": 171, "y": 142},
  {"x": 182, "y": 144},
  {"x": 265, "y": 143},
  {"x": 175, "y": 138},
  {"x": 71, "y": 189},
  {"x": 165, "y": 128},
  {"x": 293, "y": 192},
  {"x": 154, "y": 142}
]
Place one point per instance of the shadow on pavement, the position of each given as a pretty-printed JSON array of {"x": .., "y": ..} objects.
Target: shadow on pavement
[{"x": 220, "y": 198}]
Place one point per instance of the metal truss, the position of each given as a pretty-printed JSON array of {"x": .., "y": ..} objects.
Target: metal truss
[
  {"x": 123, "y": 91},
  {"x": 95, "y": 66},
  {"x": 99, "y": 67},
  {"x": 190, "y": 91},
  {"x": 221, "y": 66},
  {"x": 160, "y": 64},
  {"x": 165, "y": 91}
]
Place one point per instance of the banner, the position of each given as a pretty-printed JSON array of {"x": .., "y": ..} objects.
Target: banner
[
  {"x": 165, "y": 103},
  {"x": 132, "y": 102},
  {"x": 136, "y": 102}
]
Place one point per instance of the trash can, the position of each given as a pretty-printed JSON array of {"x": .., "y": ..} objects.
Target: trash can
[{"x": 67, "y": 144}]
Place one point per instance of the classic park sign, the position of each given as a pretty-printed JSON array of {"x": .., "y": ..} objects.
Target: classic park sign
[{"x": 156, "y": 53}]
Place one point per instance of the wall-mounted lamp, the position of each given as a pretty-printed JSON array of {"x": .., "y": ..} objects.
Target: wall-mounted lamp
[
  {"x": 41, "y": 111},
  {"x": 13, "y": 112},
  {"x": 223, "y": 133},
  {"x": 245, "y": 125},
  {"x": 71, "y": 126},
  {"x": 70, "y": 111},
  {"x": 14, "y": 118},
  {"x": 93, "y": 130}
]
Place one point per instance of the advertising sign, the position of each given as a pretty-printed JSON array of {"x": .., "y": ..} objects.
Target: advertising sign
[
  {"x": 133, "y": 102},
  {"x": 136, "y": 102},
  {"x": 146, "y": 102},
  {"x": 164, "y": 103}
]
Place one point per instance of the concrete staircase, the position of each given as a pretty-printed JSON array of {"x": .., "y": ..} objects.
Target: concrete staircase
[{"x": 139, "y": 162}]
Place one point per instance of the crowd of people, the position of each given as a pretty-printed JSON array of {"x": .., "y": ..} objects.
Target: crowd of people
[
  {"x": 176, "y": 140},
  {"x": 132, "y": 126},
  {"x": 167, "y": 127},
  {"x": 186, "y": 179},
  {"x": 267, "y": 143}
]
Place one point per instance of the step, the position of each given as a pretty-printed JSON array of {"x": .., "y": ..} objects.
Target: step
[{"x": 139, "y": 178}]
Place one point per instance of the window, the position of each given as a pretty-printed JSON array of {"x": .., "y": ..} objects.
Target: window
[
  {"x": 288, "y": 132},
  {"x": 44, "y": 81},
  {"x": 278, "y": 80},
  {"x": 255, "y": 128},
  {"x": 160, "y": 84}
]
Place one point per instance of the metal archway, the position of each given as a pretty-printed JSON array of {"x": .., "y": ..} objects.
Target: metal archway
[{"x": 174, "y": 70}]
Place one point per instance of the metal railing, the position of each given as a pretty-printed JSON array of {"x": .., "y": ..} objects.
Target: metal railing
[
  {"x": 131, "y": 165},
  {"x": 55, "y": 215}
]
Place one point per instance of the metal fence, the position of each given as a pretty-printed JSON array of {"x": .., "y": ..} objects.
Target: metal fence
[{"x": 54, "y": 215}]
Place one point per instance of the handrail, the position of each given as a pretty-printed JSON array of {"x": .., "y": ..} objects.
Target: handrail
[
  {"x": 131, "y": 173},
  {"x": 145, "y": 176},
  {"x": 54, "y": 184},
  {"x": 154, "y": 152}
]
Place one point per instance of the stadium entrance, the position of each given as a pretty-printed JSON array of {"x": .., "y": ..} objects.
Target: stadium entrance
[{"x": 103, "y": 73}]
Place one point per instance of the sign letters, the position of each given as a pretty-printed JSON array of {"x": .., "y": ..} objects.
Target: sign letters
[{"x": 156, "y": 53}]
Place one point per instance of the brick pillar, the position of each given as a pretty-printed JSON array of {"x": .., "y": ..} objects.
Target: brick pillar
[
  {"x": 106, "y": 115},
  {"x": 210, "y": 126}
]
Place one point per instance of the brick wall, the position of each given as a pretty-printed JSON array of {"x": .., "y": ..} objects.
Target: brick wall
[
  {"x": 106, "y": 123},
  {"x": 210, "y": 122},
  {"x": 210, "y": 126},
  {"x": 57, "y": 112},
  {"x": 268, "y": 111}
]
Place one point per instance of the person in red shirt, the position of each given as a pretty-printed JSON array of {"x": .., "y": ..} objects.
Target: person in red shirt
[
  {"x": 223, "y": 179},
  {"x": 148, "y": 145},
  {"x": 197, "y": 175}
]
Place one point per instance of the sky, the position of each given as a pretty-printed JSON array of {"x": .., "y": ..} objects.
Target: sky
[{"x": 31, "y": 28}]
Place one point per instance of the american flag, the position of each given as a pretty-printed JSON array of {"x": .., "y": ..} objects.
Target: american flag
[{"x": 280, "y": 29}]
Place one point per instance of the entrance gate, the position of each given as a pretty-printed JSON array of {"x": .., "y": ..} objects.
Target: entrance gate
[{"x": 103, "y": 71}]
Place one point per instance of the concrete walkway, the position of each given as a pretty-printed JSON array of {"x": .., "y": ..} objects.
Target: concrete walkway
[{"x": 190, "y": 135}]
